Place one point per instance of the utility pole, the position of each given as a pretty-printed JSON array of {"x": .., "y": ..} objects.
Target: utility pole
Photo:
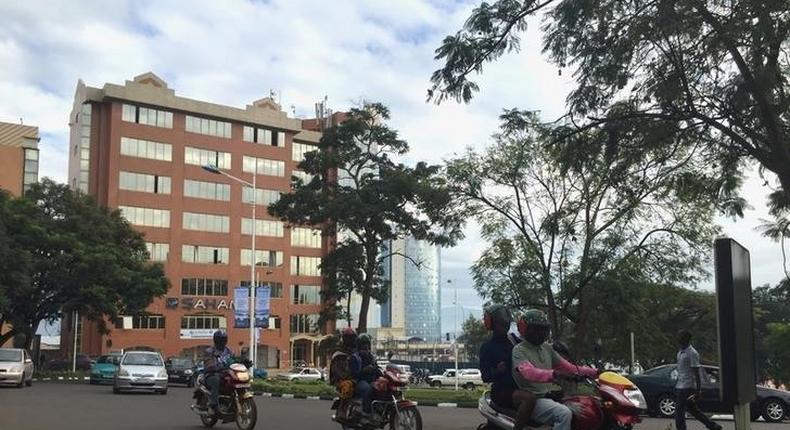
[{"x": 74, "y": 355}]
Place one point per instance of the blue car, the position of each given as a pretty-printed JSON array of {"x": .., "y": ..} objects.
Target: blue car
[{"x": 105, "y": 369}]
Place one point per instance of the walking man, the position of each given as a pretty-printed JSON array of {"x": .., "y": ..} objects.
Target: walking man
[{"x": 688, "y": 386}]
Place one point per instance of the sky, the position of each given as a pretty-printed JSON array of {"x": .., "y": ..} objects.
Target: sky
[{"x": 233, "y": 52}]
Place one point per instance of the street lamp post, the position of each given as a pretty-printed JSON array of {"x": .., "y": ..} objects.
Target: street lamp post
[
  {"x": 455, "y": 329},
  {"x": 217, "y": 171}
]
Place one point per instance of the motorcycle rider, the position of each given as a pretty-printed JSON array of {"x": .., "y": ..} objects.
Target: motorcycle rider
[
  {"x": 496, "y": 358},
  {"x": 536, "y": 366},
  {"x": 365, "y": 371},
  {"x": 340, "y": 370},
  {"x": 216, "y": 359}
]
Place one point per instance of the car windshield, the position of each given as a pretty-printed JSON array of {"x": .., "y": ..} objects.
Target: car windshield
[
  {"x": 108, "y": 359},
  {"x": 142, "y": 360},
  {"x": 181, "y": 362},
  {"x": 10, "y": 355},
  {"x": 295, "y": 370}
]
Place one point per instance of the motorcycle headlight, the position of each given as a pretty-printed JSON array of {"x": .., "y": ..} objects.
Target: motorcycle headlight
[
  {"x": 162, "y": 374},
  {"x": 188, "y": 372},
  {"x": 636, "y": 398}
]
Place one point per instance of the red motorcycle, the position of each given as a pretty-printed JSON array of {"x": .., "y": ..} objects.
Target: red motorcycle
[
  {"x": 616, "y": 405},
  {"x": 388, "y": 408},
  {"x": 236, "y": 402}
]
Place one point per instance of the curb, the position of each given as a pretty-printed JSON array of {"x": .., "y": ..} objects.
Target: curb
[{"x": 447, "y": 405}]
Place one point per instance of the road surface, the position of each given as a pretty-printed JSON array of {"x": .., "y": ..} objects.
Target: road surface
[{"x": 63, "y": 406}]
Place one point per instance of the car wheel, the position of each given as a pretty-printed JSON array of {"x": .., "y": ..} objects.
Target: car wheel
[
  {"x": 666, "y": 406},
  {"x": 469, "y": 386},
  {"x": 116, "y": 390},
  {"x": 163, "y": 392},
  {"x": 774, "y": 410},
  {"x": 29, "y": 382},
  {"x": 436, "y": 384}
]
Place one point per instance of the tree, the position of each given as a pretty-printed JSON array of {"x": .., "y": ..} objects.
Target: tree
[
  {"x": 72, "y": 255},
  {"x": 718, "y": 67},
  {"x": 358, "y": 190},
  {"x": 560, "y": 219},
  {"x": 770, "y": 307},
  {"x": 778, "y": 343},
  {"x": 473, "y": 334}
]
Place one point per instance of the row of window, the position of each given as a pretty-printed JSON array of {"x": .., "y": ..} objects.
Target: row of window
[
  {"x": 206, "y": 190},
  {"x": 263, "y": 258},
  {"x": 146, "y": 216},
  {"x": 208, "y": 127},
  {"x": 300, "y": 265},
  {"x": 147, "y": 116},
  {"x": 304, "y": 323},
  {"x": 264, "y": 136},
  {"x": 204, "y": 287},
  {"x": 306, "y": 237},
  {"x": 30, "y": 175},
  {"x": 84, "y": 122},
  {"x": 144, "y": 182},
  {"x": 146, "y": 149},
  {"x": 158, "y": 251},
  {"x": 197, "y": 254},
  {"x": 206, "y": 222},
  {"x": 263, "y": 197},
  {"x": 265, "y": 166},
  {"x": 298, "y": 150},
  {"x": 203, "y": 157},
  {"x": 157, "y": 322},
  {"x": 263, "y": 227}
]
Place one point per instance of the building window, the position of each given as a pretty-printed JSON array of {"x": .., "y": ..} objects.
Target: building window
[
  {"x": 84, "y": 123},
  {"x": 264, "y": 136},
  {"x": 206, "y": 222},
  {"x": 146, "y": 216},
  {"x": 305, "y": 177},
  {"x": 274, "y": 322},
  {"x": 306, "y": 294},
  {"x": 263, "y": 227},
  {"x": 275, "y": 288},
  {"x": 306, "y": 237},
  {"x": 203, "y": 157},
  {"x": 146, "y": 149},
  {"x": 203, "y": 322},
  {"x": 305, "y": 266},
  {"x": 204, "y": 287},
  {"x": 204, "y": 254},
  {"x": 157, "y": 251},
  {"x": 206, "y": 190},
  {"x": 298, "y": 150},
  {"x": 265, "y": 166},
  {"x": 304, "y": 323},
  {"x": 143, "y": 322},
  {"x": 263, "y": 257},
  {"x": 143, "y": 182},
  {"x": 147, "y": 116},
  {"x": 30, "y": 176},
  {"x": 262, "y": 197},
  {"x": 208, "y": 126}
]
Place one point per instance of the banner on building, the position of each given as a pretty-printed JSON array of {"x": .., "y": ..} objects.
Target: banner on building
[
  {"x": 241, "y": 313},
  {"x": 262, "y": 300},
  {"x": 197, "y": 333}
]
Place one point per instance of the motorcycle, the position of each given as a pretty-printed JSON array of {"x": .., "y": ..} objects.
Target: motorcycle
[
  {"x": 388, "y": 408},
  {"x": 236, "y": 402},
  {"x": 616, "y": 405}
]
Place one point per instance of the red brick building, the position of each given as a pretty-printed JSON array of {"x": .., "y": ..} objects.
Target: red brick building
[{"x": 139, "y": 147}]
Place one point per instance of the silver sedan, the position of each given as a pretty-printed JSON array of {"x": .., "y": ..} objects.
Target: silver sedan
[{"x": 141, "y": 371}]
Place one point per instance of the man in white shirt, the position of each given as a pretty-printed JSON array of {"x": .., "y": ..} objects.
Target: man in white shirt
[{"x": 688, "y": 386}]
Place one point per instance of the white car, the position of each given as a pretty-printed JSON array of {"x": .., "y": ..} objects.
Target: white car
[
  {"x": 141, "y": 371},
  {"x": 302, "y": 374},
  {"x": 16, "y": 367},
  {"x": 467, "y": 378}
]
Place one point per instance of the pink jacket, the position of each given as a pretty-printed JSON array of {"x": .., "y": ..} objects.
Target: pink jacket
[{"x": 535, "y": 374}]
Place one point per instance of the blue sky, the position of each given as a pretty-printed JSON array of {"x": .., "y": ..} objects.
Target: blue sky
[{"x": 233, "y": 52}]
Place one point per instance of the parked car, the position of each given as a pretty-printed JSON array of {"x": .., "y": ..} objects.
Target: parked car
[
  {"x": 302, "y": 374},
  {"x": 182, "y": 370},
  {"x": 141, "y": 371},
  {"x": 64, "y": 364},
  {"x": 658, "y": 383},
  {"x": 16, "y": 367},
  {"x": 467, "y": 378},
  {"x": 105, "y": 369}
]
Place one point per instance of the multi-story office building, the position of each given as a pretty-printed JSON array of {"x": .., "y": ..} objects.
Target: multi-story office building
[
  {"x": 18, "y": 157},
  {"x": 413, "y": 309},
  {"x": 18, "y": 160},
  {"x": 139, "y": 147}
]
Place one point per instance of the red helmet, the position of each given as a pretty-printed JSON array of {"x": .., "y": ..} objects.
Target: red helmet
[{"x": 349, "y": 337}]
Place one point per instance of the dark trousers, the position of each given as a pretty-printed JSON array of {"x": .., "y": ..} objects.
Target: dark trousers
[
  {"x": 365, "y": 390},
  {"x": 212, "y": 382},
  {"x": 683, "y": 405}
]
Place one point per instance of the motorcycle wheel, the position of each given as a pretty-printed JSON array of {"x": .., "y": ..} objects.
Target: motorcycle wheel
[
  {"x": 247, "y": 416},
  {"x": 207, "y": 421},
  {"x": 406, "y": 419}
]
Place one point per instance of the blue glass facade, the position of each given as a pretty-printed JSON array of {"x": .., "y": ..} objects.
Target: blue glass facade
[{"x": 422, "y": 290}]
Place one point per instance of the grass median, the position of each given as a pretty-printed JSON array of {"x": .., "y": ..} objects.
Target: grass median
[{"x": 421, "y": 395}]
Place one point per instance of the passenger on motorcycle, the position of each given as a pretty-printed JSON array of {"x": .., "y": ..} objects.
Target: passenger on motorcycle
[
  {"x": 216, "y": 359},
  {"x": 340, "y": 369},
  {"x": 365, "y": 372},
  {"x": 536, "y": 366},
  {"x": 496, "y": 364}
]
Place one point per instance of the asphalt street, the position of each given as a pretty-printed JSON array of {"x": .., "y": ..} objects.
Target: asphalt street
[{"x": 59, "y": 406}]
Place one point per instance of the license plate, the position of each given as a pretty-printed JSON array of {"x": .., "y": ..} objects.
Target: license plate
[
  {"x": 242, "y": 385},
  {"x": 144, "y": 381}
]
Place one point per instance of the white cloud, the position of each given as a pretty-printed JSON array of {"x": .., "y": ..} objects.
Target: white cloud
[{"x": 233, "y": 52}]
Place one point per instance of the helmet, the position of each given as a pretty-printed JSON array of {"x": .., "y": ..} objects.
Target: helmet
[
  {"x": 220, "y": 339},
  {"x": 532, "y": 317},
  {"x": 363, "y": 341},
  {"x": 349, "y": 337},
  {"x": 496, "y": 314}
]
